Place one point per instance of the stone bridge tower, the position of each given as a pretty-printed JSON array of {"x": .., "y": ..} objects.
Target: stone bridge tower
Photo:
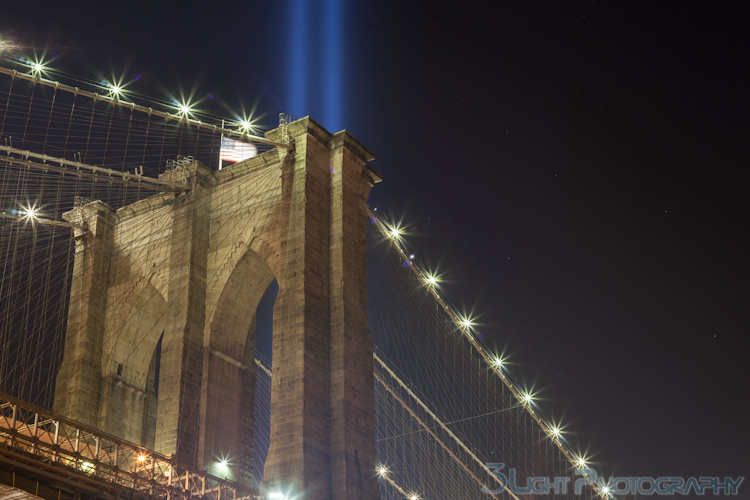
[{"x": 175, "y": 280}]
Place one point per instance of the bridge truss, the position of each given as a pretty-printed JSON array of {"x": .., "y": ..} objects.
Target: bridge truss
[{"x": 33, "y": 438}]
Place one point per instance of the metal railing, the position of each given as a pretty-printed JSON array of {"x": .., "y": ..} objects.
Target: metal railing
[{"x": 73, "y": 449}]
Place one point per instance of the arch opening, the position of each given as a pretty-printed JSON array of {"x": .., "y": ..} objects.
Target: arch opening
[{"x": 227, "y": 445}]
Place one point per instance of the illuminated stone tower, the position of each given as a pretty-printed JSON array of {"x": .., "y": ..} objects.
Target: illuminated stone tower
[{"x": 176, "y": 280}]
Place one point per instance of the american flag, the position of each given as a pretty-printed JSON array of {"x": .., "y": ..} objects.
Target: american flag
[{"x": 234, "y": 151}]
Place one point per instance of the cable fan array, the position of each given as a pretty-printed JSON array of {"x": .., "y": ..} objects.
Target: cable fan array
[{"x": 446, "y": 406}]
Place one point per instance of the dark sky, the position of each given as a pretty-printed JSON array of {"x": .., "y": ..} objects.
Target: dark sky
[{"x": 577, "y": 168}]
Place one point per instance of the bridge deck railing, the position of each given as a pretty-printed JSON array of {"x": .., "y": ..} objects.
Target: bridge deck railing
[{"x": 69, "y": 447}]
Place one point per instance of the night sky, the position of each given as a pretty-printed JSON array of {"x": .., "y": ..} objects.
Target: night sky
[{"x": 577, "y": 171}]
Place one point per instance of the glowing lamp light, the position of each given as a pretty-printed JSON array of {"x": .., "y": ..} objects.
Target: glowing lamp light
[
  {"x": 527, "y": 397},
  {"x": 382, "y": 470},
  {"x": 431, "y": 280},
  {"x": 30, "y": 213},
  {"x": 466, "y": 323},
  {"x": 276, "y": 495},
  {"x": 115, "y": 90},
  {"x": 88, "y": 467},
  {"x": 499, "y": 362},
  {"x": 395, "y": 233},
  {"x": 605, "y": 490},
  {"x": 37, "y": 68},
  {"x": 580, "y": 462},
  {"x": 184, "y": 109},
  {"x": 222, "y": 466},
  {"x": 142, "y": 458},
  {"x": 245, "y": 125},
  {"x": 414, "y": 496},
  {"x": 555, "y": 431}
]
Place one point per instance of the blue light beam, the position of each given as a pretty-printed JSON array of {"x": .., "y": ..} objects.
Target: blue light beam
[
  {"x": 298, "y": 71},
  {"x": 333, "y": 73}
]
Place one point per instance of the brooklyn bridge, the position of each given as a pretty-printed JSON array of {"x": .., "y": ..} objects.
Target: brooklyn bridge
[{"x": 179, "y": 322}]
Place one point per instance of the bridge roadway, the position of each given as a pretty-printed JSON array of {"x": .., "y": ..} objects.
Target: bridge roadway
[{"x": 57, "y": 459}]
